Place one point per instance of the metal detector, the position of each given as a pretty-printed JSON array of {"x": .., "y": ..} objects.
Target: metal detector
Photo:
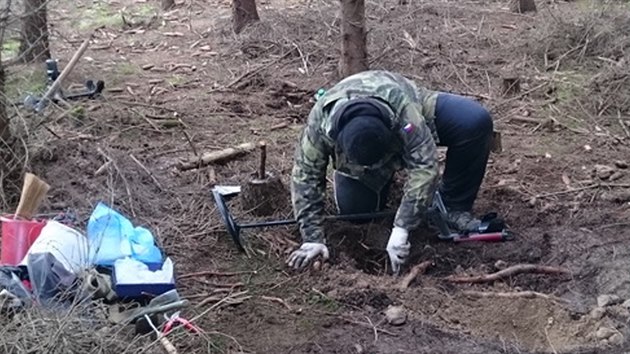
[{"x": 234, "y": 229}]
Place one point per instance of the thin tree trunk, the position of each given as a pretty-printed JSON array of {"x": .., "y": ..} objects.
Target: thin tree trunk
[
  {"x": 34, "y": 44},
  {"x": 167, "y": 4},
  {"x": 5, "y": 133},
  {"x": 522, "y": 6},
  {"x": 353, "y": 38},
  {"x": 243, "y": 13}
]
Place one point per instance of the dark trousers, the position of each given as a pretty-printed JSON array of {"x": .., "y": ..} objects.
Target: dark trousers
[{"x": 465, "y": 128}]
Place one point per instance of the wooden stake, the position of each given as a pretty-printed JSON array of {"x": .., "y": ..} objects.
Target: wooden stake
[{"x": 263, "y": 160}]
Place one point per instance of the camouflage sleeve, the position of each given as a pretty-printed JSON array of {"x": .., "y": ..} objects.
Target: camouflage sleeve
[
  {"x": 308, "y": 182},
  {"x": 420, "y": 157}
]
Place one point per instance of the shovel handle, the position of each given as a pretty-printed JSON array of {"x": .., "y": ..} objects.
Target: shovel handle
[
  {"x": 489, "y": 237},
  {"x": 167, "y": 345}
]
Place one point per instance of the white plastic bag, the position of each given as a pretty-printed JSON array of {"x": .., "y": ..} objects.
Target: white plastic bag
[{"x": 66, "y": 244}]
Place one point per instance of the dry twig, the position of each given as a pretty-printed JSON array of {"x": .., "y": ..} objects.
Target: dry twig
[
  {"x": 278, "y": 300},
  {"x": 143, "y": 167},
  {"x": 517, "y": 294},
  {"x": 508, "y": 272},
  {"x": 215, "y": 274}
]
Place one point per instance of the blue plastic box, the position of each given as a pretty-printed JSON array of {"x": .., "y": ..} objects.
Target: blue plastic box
[{"x": 142, "y": 290}]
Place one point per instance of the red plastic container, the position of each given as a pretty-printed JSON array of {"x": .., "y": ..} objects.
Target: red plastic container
[{"x": 17, "y": 238}]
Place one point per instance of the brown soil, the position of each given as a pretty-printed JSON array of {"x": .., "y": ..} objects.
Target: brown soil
[{"x": 452, "y": 46}]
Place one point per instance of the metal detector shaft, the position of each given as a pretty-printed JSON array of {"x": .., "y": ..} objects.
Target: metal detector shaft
[{"x": 348, "y": 217}]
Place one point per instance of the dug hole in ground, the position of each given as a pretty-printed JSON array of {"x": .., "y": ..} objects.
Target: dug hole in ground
[{"x": 561, "y": 180}]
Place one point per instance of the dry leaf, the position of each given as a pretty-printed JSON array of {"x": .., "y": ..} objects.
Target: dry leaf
[
  {"x": 566, "y": 180},
  {"x": 173, "y": 34},
  {"x": 409, "y": 40}
]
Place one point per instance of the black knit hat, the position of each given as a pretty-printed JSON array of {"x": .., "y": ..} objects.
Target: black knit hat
[{"x": 363, "y": 137}]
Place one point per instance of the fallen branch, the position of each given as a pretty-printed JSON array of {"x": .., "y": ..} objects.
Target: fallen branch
[
  {"x": 278, "y": 300},
  {"x": 349, "y": 320},
  {"x": 215, "y": 274},
  {"x": 517, "y": 294},
  {"x": 508, "y": 272},
  {"x": 145, "y": 169},
  {"x": 217, "y": 156},
  {"x": 220, "y": 285},
  {"x": 279, "y": 126},
  {"x": 232, "y": 299},
  {"x": 592, "y": 186},
  {"x": 415, "y": 271},
  {"x": 256, "y": 70}
]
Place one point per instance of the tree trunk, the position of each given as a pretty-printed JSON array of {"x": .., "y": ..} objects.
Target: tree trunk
[
  {"x": 243, "y": 13},
  {"x": 5, "y": 133},
  {"x": 353, "y": 38},
  {"x": 522, "y": 6},
  {"x": 34, "y": 44},
  {"x": 167, "y": 4}
]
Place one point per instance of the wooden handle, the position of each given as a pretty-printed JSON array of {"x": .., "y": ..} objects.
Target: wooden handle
[
  {"x": 67, "y": 69},
  {"x": 168, "y": 346}
]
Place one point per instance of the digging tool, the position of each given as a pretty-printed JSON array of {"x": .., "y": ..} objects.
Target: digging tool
[
  {"x": 39, "y": 104},
  {"x": 234, "y": 229},
  {"x": 490, "y": 230}
]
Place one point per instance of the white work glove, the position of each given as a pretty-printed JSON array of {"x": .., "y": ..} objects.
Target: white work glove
[
  {"x": 305, "y": 254},
  {"x": 398, "y": 248}
]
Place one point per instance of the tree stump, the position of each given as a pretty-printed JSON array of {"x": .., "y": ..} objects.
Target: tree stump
[
  {"x": 264, "y": 194},
  {"x": 522, "y": 6},
  {"x": 511, "y": 85},
  {"x": 263, "y": 197}
]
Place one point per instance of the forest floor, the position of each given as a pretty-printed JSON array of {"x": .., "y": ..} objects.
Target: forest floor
[{"x": 180, "y": 83}]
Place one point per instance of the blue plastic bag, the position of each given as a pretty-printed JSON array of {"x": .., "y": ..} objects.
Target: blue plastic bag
[{"x": 112, "y": 236}]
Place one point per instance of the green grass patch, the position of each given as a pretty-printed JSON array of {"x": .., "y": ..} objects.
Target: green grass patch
[
  {"x": 103, "y": 15},
  {"x": 98, "y": 15},
  {"x": 10, "y": 48},
  {"x": 323, "y": 301},
  {"x": 26, "y": 79}
]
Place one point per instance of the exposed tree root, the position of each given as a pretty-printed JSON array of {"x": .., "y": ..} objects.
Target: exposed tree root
[
  {"x": 507, "y": 272},
  {"x": 413, "y": 273}
]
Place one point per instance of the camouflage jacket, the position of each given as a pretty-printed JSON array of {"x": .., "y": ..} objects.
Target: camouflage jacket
[{"x": 412, "y": 113}]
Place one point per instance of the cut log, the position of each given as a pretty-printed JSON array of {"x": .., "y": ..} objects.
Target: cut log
[
  {"x": 522, "y": 6},
  {"x": 217, "y": 156}
]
